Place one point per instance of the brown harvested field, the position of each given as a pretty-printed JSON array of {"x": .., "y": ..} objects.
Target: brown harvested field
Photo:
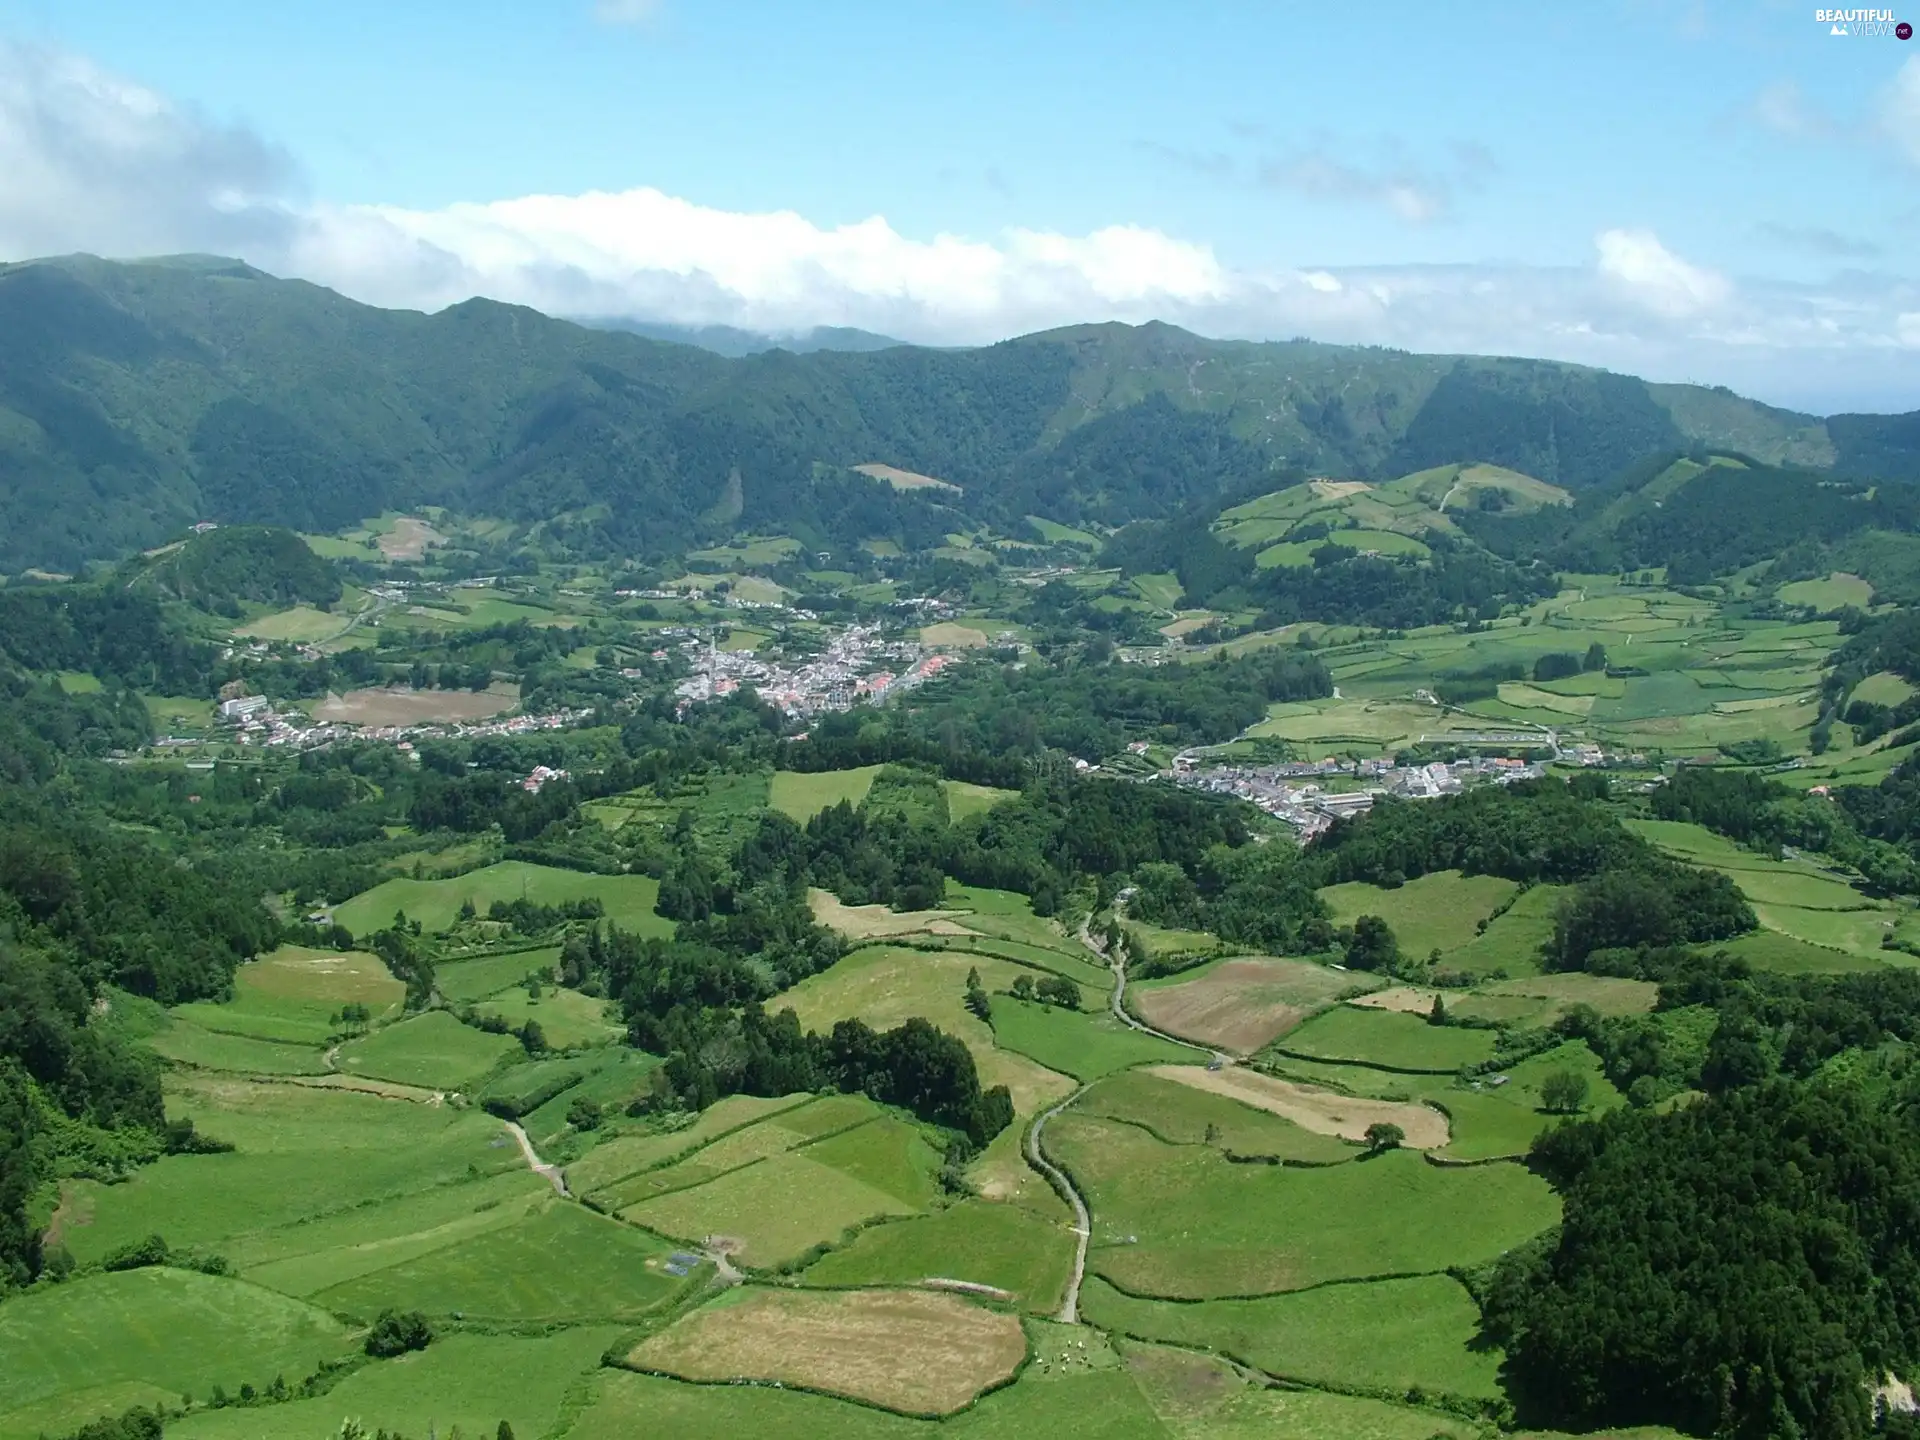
[
  {"x": 1322, "y": 1111},
  {"x": 877, "y": 922},
  {"x": 949, "y": 636},
  {"x": 1187, "y": 624},
  {"x": 1240, "y": 1005},
  {"x": 409, "y": 539},
  {"x": 1608, "y": 994},
  {"x": 401, "y": 706},
  {"x": 920, "y": 1352},
  {"x": 1407, "y": 999},
  {"x": 1338, "y": 489},
  {"x": 903, "y": 479}
]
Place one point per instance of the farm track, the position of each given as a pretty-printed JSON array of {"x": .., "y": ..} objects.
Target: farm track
[{"x": 553, "y": 1173}]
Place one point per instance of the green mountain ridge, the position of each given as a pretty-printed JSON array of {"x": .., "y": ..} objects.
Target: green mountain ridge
[{"x": 138, "y": 398}]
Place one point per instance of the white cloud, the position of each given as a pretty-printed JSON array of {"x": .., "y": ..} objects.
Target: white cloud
[
  {"x": 1900, "y": 110},
  {"x": 92, "y": 163},
  {"x": 1653, "y": 276}
]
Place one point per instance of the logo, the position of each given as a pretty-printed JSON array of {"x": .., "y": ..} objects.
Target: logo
[{"x": 1863, "y": 24}]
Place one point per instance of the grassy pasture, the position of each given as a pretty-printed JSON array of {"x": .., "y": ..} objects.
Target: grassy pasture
[
  {"x": 188, "y": 1044},
  {"x": 738, "y": 1148},
  {"x": 1183, "y": 1223},
  {"x": 1837, "y": 590},
  {"x": 1782, "y": 954},
  {"x": 1383, "y": 1335},
  {"x": 1324, "y": 1112},
  {"x": 1083, "y": 1044},
  {"x": 629, "y": 899},
  {"x": 292, "y": 995},
  {"x": 905, "y": 1350},
  {"x": 1202, "y": 1395},
  {"x": 1883, "y": 688},
  {"x": 559, "y": 1262},
  {"x": 1183, "y": 1115},
  {"x": 300, "y": 1153},
  {"x": 614, "y": 1160},
  {"x": 99, "y": 1344},
  {"x": 614, "y": 1076},
  {"x": 964, "y": 800},
  {"x": 302, "y": 625},
  {"x": 803, "y": 795},
  {"x": 976, "y": 1241},
  {"x": 776, "y": 1209},
  {"x": 434, "y": 1050},
  {"x": 568, "y": 1019},
  {"x": 1433, "y": 912},
  {"x": 314, "y": 1254},
  {"x": 1512, "y": 942},
  {"x": 886, "y": 985},
  {"x": 1389, "y": 1039},
  {"x": 490, "y": 974},
  {"x": 1102, "y": 1403},
  {"x": 463, "y": 1382},
  {"x": 1241, "y": 1005}
]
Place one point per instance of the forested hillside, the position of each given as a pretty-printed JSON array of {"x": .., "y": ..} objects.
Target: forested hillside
[{"x": 138, "y": 398}]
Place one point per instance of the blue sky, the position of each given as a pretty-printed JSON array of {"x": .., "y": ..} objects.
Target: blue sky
[{"x": 1692, "y": 190}]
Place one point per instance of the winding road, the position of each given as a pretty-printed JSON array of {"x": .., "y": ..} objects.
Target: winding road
[{"x": 1069, "y": 1312}]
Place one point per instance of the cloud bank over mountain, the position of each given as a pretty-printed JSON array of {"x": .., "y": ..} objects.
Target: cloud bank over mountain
[{"x": 100, "y": 164}]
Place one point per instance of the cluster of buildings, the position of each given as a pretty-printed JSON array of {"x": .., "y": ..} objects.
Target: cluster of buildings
[
  {"x": 252, "y": 720},
  {"x": 1311, "y": 795},
  {"x": 857, "y": 666}
]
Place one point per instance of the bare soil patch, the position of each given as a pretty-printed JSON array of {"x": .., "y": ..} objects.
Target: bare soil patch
[
  {"x": 1338, "y": 489},
  {"x": 949, "y": 636},
  {"x": 1322, "y": 1111},
  {"x": 409, "y": 539},
  {"x": 903, "y": 479},
  {"x": 1240, "y": 1005},
  {"x": 1407, "y": 999},
  {"x": 877, "y": 922},
  {"x": 402, "y": 706},
  {"x": 916, "y": 1351}
]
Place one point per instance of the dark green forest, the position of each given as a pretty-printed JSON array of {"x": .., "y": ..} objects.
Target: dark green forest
[{"x": 149, "y": 396}]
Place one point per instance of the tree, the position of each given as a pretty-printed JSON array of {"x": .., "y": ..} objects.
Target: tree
[
  {"x": 1373, "y": 946},
  {"x": 1438, "y": 1014},
  {"x": 1384, "y": 1135},
  {"x": 1023, "y": 987},
  {"x": 1596, "y": 657},
  {"x": 505, "y": 1432},
  {"x": 584, "y": 1113},
  {"x": 397, "y": 1332},
  {"x": 1564, "y": 1092},
  {"x": 977, "y": 1000},
  {"x": 1058, "y": 990}
]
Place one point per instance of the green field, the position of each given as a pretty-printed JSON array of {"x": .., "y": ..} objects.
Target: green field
[
  {"x": 1388, "y": 1039},
  {"x": 185, "y": 1043},
  {"x": 107, "y": 1342},
  {"x": 490, "y": 974},
  {"x": 1512, "y": 942},
  {"x": 462, "y": 1383},
  {"x": 976, "y": 1241},
  {"x": 567, "y": 1018},
  {"x": 1184, "y": 1223},
  {"x": 1077, "y": 1043},
  {"x": 561, "y": 1262},
  {"x": 1434, "y": 912},
  {"x": 965, "y": 801},
  {"x": 1182, "y": 1115},
  {"x": 434, "y": 1050},
  {"x": 629, "y": 899},
  {"x": 300, "y": 1152},
  {"x": 803, "y": 795},
  {"x": 1385, "y": 1335},
  {"x": 293, "y": 994}
]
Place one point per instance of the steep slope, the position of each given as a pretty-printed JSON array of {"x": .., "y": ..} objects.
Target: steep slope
[{"x": 136, "y": 398}]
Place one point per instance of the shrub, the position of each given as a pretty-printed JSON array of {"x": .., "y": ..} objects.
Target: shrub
[{"x": 397, "y": 1332}]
